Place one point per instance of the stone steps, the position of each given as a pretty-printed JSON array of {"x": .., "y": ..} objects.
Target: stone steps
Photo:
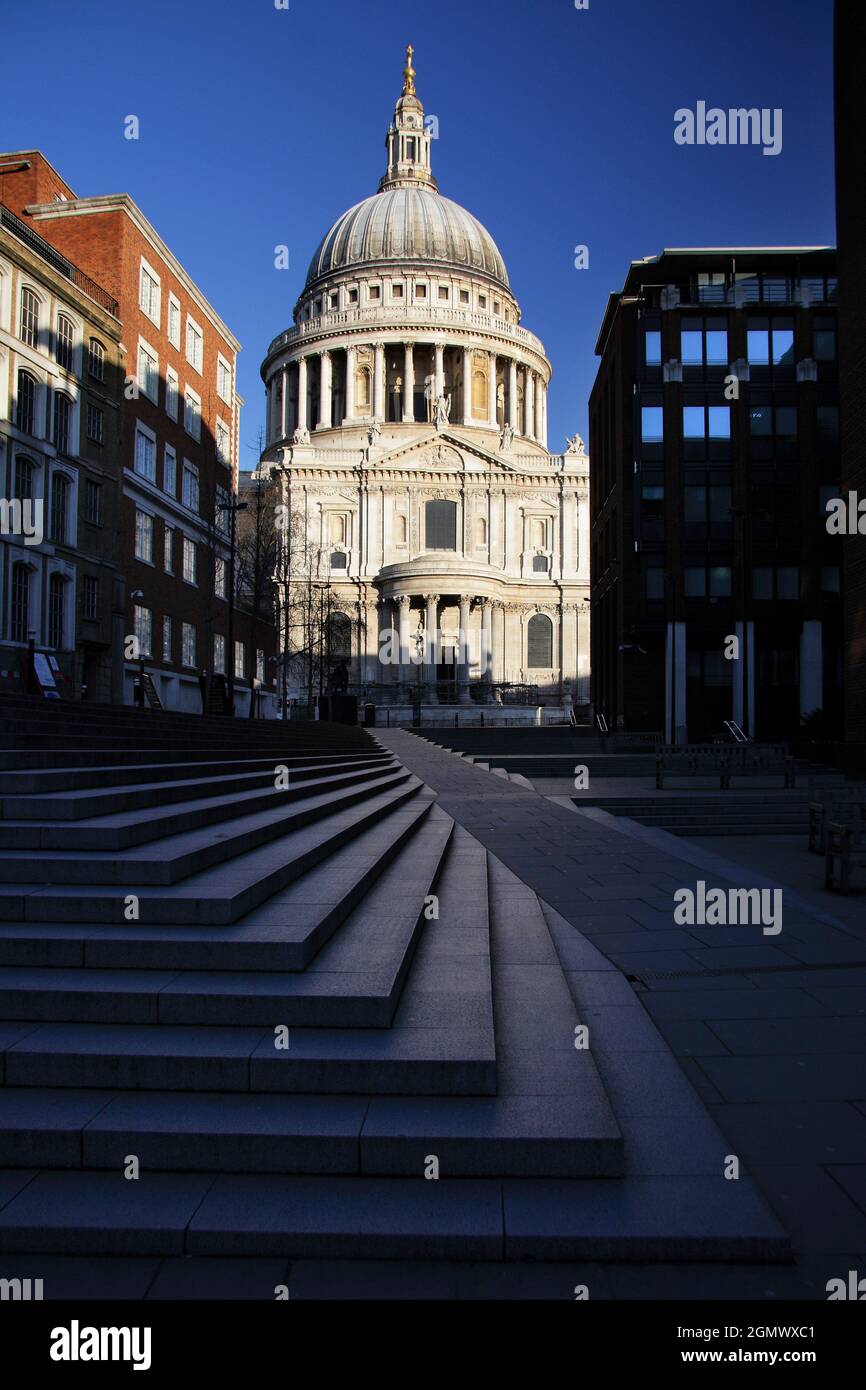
[
  {"x": 120, "y": 830},
  {"x": 192, "y": 851},
  {"x": 52, "y": 777}
]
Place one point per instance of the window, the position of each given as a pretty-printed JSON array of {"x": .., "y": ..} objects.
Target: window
[
  {"x": 188, "y": 644},
  {"x": 720, "y": 581},
  {"x": 695, "y": 581},
  {"x": 95, "y": 424},
  {"x": 56, "y": 595},
  {"x": 148, "y": 372},
  {"x": 831, "y": 579},
  {"x": 92, "y": 502},
  {"x": 444, "y": 294},
  {"x": 219, "y": 654},
  {"x": 353, "y": 299},
  {"x": 440, "y": 525},
  {"x": 60, "y": 487},
  {"x": 90, "y": 598},
  {"x": 339, "y": 637},
  {"x": 62, "y": 411},
  {"x": 224, "y": 380},
  {"x": 23, "y": 479},
  {"x": 652, "y": 424},
  {"x": 29, "y": 318},
  {"x": 338, "y": 560},
  {"x": 96, "y": 360},
  {"x": 539, "y": 642},
  {"x": 25, "y": 403},
  {"x": 145, "y": 454},
  {"x": 703, "y": 344},
  {"x": 194, "y": 343},
  {"x": 168, "y": 550},
  {"x": 482, "y": 301},
  {"x": 240, "y": 660},
  {"x": 260, "y": 666},
  {"x": 539, "y": 564},
  {"x": 767, "y": 420},
  {"x": 770, "y": 341},
  {"x": 143, "y": 629},
  {"x": 828, "y": 424},
  {"x": 167, "y": 639},
  {"x": 143, "y": 537},
  {"x": 65, "y": 342},
  {"x": 788, "y": 583},
  {"x": 420, "y": 291},
  {"x": 334, "y": 301},
  {"x": 192, "y": 414},
  {"x": 223, "y": 442},
  {"x": 824, "y": 340},
  {"x": 223, "y": 510},
  {"x": 190, "y": 486},
  {"x": 149, "y": 293},
  {"x": 706, "y": 422},
  {"x": 762, "y": 582},
  {"x": 375, "y": 293},
  {"x": 219, "y": 580},
  {"x": 464, "y": 296},
  {"x": 169, "y": 471},
  {"x": 172, "y": 392},
  {"x": 652, "y": 347},
  {"x": 396, "y": 291},
  {"x": 189, "y": 560},
  {"x": 174, "y": 321},
  {"x": 20, "y": 602}
]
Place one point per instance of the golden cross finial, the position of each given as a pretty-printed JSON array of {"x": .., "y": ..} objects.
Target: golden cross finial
[{"x": 409, "y": 73}]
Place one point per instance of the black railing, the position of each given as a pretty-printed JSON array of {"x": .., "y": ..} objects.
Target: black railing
[{"x": 53, "y": 257}]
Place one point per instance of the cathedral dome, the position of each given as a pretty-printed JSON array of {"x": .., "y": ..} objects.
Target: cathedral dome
[{"x": 408, "y": 224}]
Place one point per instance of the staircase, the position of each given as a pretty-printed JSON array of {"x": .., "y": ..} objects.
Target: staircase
[
  {"x": 259, "y": 965},
  {"x": 764, "y": 812}
]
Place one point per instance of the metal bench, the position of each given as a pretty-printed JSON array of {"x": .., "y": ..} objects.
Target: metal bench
[{"x": 725, "y": 760}]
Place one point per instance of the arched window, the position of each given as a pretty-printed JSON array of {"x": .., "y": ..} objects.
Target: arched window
[
  {"x": 539, "y": 564},
  {"x": 59, "y": 508},
  {"x": 23, "y": 484},
  {"x": 538, "y": 535},
  {"x": 363, "y": 390},
  {"x": 539, "y": 642},
  {"x": 481, "y": 531},
  {"x": 340, "y": 637},
  {"x": 337, "y": 529},
  {"x": 62, "y": 414},
  {"x": 29, "y": 317},
  {"x": 65, "y": 342},
  {"x": 440, "y": 525},
  {"x": 20, "y": 616},
  {"x": 96, "y": 360},
  {"x": 56, "y": 594},
  {"x": 402, "y": 530},
  {"x": 25, "y": 403}
]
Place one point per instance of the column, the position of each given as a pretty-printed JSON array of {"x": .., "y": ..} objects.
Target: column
[
  {"x": 409, "y": 385},
  {"x": 431, "y": 644},
  {"x": 675, "y": 684},
  {"x": 325, "y": 391},
  {"x": 404, "y": 602},
  {"x": 811, "y": 667},
  {"x": 583, "y": 653},
  {"x": 467, "y": 386},
  {"x": 351, "y": 362},
  {"x": 512, "y": 394},
  {"x": 543, "y": 407},
  {"x": 529, "y": 398},
  {"x": 743, "y": 703},
  {"x": 284, "y": 422},
  {"x": 499, "y": 642},
  {"x": 491, "y": 390},
  {"x": 440, "y": 369},
  {"x": 487, "y": 642},
  {"x": 302, "y": 394},
  {"x": 568, "y": 650},
  {"x": 463, "y": 695},
  {"x": 379, "y": 383}
]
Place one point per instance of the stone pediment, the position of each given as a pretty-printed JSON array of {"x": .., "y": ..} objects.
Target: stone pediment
[{"x": 444, "y": 451}]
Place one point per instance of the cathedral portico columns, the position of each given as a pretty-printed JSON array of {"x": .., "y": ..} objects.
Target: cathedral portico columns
[
  {"x": 467, "y": 386},
  {"x": 325, "y": 391},
  {"x": 542, "y": 405},
  {"x": 487, "y": 641},
  {"x": 302, "y": 394},
  {"x": 404, "y": 603},
  {"x": 284, "y": 414},
  {"x": 463, "y": 695},
  {"x": 529, "y": 397},
  {"x": 512, "y": 394},
  {"x": 379, "y": 383},
  {"x": 351, "y": 363},
  {"x": 409, "y": 384},
  {"x": 431, "y": 646}
]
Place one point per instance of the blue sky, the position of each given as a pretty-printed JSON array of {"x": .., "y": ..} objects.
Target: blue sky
[{"x": 260, "y": 126}]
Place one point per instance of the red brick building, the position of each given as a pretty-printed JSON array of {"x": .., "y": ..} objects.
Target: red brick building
[{"x": 179, "y": 440}]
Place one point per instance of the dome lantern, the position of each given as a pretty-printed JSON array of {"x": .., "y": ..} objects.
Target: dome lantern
[{"x": 408, "y": 141}]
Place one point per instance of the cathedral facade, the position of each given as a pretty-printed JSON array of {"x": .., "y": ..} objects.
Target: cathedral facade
[{"x": 407, "y": 427}]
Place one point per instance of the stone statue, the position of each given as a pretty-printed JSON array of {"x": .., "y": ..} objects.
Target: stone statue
[
  {"x": 575, "y": 445},
  {"x": 443, "y": 412},
  {"x": 301, "y": 437},
  {"x": 506, "y": 439}
]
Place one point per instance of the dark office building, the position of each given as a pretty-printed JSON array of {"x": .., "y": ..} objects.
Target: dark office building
[
  {"x": 851, "y": 222},
  {"x": 714, "y": 438}
]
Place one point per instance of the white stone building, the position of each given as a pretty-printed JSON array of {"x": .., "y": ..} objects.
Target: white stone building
[{"x": 407, "y": 417}]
